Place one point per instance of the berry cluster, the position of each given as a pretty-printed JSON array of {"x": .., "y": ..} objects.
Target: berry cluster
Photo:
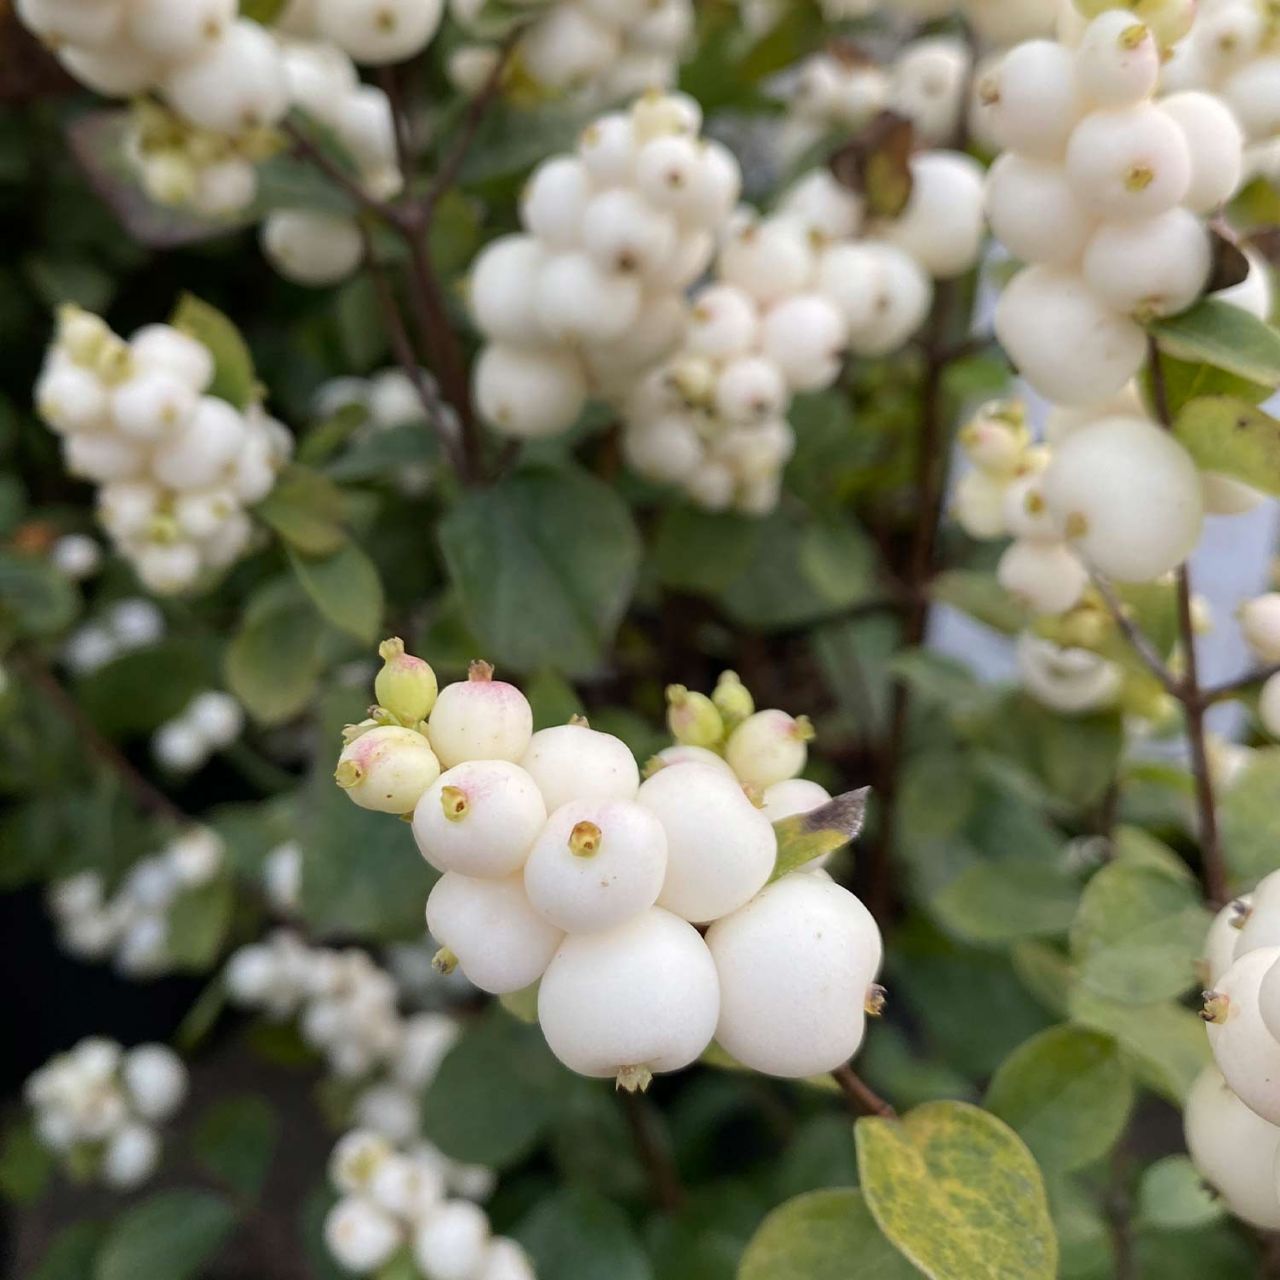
[
  {"x": 560, "y": 866},
  {"x": 97, "y": 1106},
  {"x": 1233, "y": 1112},
  {"x": 133, "y": 923},
  {"x": 392, "y": 1199},
  {"x": 794, "y": 292},
  {"x": 127, "y": 626},
  {"x": 347, "y": 1010},
  {"x": 211, "y": 722},
  {"x": 177, "y": 466},
  {"x": 1069, "y": 680},
  {"x": 1233, "y": 51},
  {"x": 590, "y": 296},
  {"x": 600, "y": 50},
  {"x": 1102, "y": 189}
]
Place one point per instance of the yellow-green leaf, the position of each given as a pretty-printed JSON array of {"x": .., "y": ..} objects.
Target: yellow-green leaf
[
  {"x": 305, "y": 508},
  {"x": 823, "y": 1235},
  {"x": 959, "y": 1194},
  {"x": 234, "y": 379},
  {"x": 825, "y": 830},
  {"x": 345, "y": 587},
  {"x": 1233, "y": 437}
]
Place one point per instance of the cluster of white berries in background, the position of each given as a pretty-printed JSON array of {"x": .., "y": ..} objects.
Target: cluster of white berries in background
[
  {"x": 1233, "y": 51},
  {"x": 1102, "y": 190},
  {"x": 176, "y": 467},
  {"x": 125, "y": 627},
  {"x": 591, "y": 295},
  {"x": 1233, "y": 1112},
  {"x": 794, "y": 292},
  {"x": 600, "y": 51},
  {"x": 132, "y": 924},
  {"x": 560, "y": 866},
  {"x": 1260, "y": 625},
  {"x": 97, "y": 1106},
  {"x": 395, "y": 1199},
  {"x": 211, "y": 722},
  {"x": 1066, "y": 679},
  {"x": 347, "y": 1011},
  {"x": 282, "y": 877}
]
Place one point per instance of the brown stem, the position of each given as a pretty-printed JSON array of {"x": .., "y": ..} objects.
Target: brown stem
[
  {"x": 1119, "y": 1211},
  {"x": 148, "y": 796},
  {"x": 385, "y": 212},
  {"x": 1138, "y": 639},
  {"x": 664, "y": 1177},
  {"x": 930, "y": 481},
  {"x": 1241, "y": 684},
  {"x": 1191, "y": 695},
  {"x": 862, "y": 1098},
  {"x": 437, "y": 411}
]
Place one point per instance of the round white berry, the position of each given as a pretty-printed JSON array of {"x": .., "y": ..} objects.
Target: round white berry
[
  {"x": 768, "y": 260},
  {"x": 162, "y": 348},
  {"x": 237, "y": 84},
  {"x": 624, "y": 233},
  {"x": 1032, "y": 99},
  {"x": 1253, "y": 94},
  {"x": 720, "y": 848},
  {"x": 499, "y": 941},
  {"x": 1260, "y": 624},
  {"x": 1233, "y": 1149},
  {"x": 636, "y": 1000},
  {"x": 156, "y": 1080},
  {"x": 218, "y": 717},
  {"x": 202, "y": 448},
  {"x": 480, "y": 818},
  {"x": 312, "y": 248},
  {"x": 176, "y": 33},
  {"x": 768, "y": 747},
  {"x": 480, "y": 719},
  {"x": 506, "y": 1260},
  {"x": 1130, "y": 162},
  {"x": 1118, "y": 60},
  {"x": 530, "y": 393},
  {"x": 1247, "y": 1054},
  {"x": 356, "y": 1158},
  {"x": 360, "y": 1235},
  {"x": 597, "y": 864},
  {"x": 554, "y": 201},
  {"x": 942, "y": 226},
  {"x": 1045, "y": 576},
  {"x": 501, "y": 289},
  {"x": 1151, "y": 267},
  {"x": 1034, "y": 212},
  {"x": 1215, "y": 144},
  {"x": 387, "y": 769},
  {"x": 804, "y": 336},
  {"x": 130, "y": 1156},
  {"x": 1220, "y": 942},
  {"x": 795, "y": 965},
  {"x": 451, "y": 1243},
  {"x": 1064, "y": 339},
  {"x": 724, "y": 323},
  {"x": 575, "y": 762},
  {"x": 577, "y": 301},
  {"x": 1128, "y": 497},
  {"x": 377, "y": 32}
]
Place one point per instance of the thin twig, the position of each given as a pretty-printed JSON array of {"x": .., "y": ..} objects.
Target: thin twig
[
  {"x": 148, "y": 796},
  {"x": 664, "y": 1177},
  {"x": 477, "y": 109},
  {"x": 1139, "y": 639},
  {"x": 438, "y": 414},
  {"x": 1241, "y": 684},
  {"x": 383, "y": 210},
  {"x": 1211, "y": 853},
  {"x": 862, "y": 1098}
]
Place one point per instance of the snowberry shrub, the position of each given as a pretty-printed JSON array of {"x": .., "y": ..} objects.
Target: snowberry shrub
[{"x": 911, "y": 359}]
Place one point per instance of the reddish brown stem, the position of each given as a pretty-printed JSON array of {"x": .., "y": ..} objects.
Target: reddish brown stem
[
  {"x": 862, "y": 1098},
  {"x": 664, "y": 1177}
]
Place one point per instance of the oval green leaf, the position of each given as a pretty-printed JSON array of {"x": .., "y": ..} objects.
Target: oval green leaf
[
  {"x": 957, "y": 1191},
  {"x": 173, "y": 1234}
]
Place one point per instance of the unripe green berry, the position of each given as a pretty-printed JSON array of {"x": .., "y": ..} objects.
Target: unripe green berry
[
  {"x": 693, "y": 718},
  {"x": 733, "y": 699},
  {"x": 406, "y": 686}
]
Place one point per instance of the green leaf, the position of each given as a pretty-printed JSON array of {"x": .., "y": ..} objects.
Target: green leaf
[
  {"x": 234, "y": 379},
  {"x": 495, "y": 1093},
  {"x": 1219, "y": 334},
  {"x": 1167, "y": 1042},
  {"x": 803, "y": 570},
  {"x": 702, "y": 551},
  {"x": 137, "y": 693},
  {"x": 825, "y": 830},
  {"x": 35, "y": 599},
  {"x": 71, "y": 1255},
  {"x": 1219, "y": 1251},
  {"x": 1185, "y": 381},
  {"x": 198, "y": 924},
  {"x": 552, "y": 698},
  {"x": 1138, "y": 933},
  {"x": 1006, "y": 900},
  {"x": 824, "y": 1235},
  {"x": 273, "y": 662},
  {"x": 345, "y": 587},
  {"x": 1173, "y": 1196},
  {"x": 544, "y": 564},
  {"x": 1250, "y": 819},
  {"x": 306, "y": 509},
  {"x": 25, "y": 1163},
  {"x": 956, "y": 1191},
  {"x": 236, "y": 1140},
  {"x": 579, "y": 1235},
  {"x": 1232, "y": 437},
  {"x": 173, "y": 1234},
  {"x": 1067, "y": 1093}
]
